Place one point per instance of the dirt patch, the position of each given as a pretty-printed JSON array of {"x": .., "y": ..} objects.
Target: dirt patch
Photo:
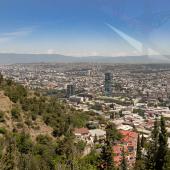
[{"x": 5, "y": 103}]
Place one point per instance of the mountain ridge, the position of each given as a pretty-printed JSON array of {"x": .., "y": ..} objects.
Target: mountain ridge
[{"x": 12, "y": 58}]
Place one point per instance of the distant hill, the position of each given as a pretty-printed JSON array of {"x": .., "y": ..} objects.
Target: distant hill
[{"x": 37, "y": 58}]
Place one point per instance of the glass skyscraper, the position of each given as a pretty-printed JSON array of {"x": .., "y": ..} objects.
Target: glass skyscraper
[
  {"x": 70, "y": 90},
  {"x": 108, "y": 84}
]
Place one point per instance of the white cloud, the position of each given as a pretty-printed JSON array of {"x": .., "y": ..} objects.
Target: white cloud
[
  {"x": 4, "y": 39},
  {"x": 17, "y": 33},
  {"x": 8, "y": 36},
  {"x": 51, "y": 51}
]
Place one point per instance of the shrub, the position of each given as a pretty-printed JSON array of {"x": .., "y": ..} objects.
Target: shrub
[
  {"x": 2, "y": 130},
  {"x": 15, "y": 113}
]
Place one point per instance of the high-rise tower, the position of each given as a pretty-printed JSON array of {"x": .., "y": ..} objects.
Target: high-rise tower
[
  {"x": 108, "y": 84},
  {"x": 70, "y": 90}
]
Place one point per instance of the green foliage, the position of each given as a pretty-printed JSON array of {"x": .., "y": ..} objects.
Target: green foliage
[
  {"x": 152, "y": 148},
  {"x": 157, "y": 151},
  {"x": 139, "y": 149},
  {"x": 66, "y": 146},
  {"x": 1, "y": 78},
  {"x": 112, "y": 133},
  {"x": 140, "y": 112},
  {"x": 2, "y": 130},
  {"x": 8, "y": 161},
  {"x": 167, "y": 161},
  {"x": 15, "y": 92},
  {"x": 139, "y": 164},
  {"x": 92, "y": 158},
  {"x": 23, "y": 143},
  {"x": 142, "y": 141},
  {"x": 44, "y": 153},
  {"x": 80, "y": 145},
  {"x": 163, "y": 147},
  {"x": 106, "y": 157},
  {"x": 89, "y": 162},
  {"x": 15, "y": 112},
  {"x": 123, "y": 165},
  {"x": 44, "y": 140}
]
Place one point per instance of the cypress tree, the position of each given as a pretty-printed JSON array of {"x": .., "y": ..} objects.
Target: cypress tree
[
  {"x": 139, "y": 150},
  {"x": 142, "y": 141},
  {"x": 106, "y": 158},
  {"x": 1, "y": 78},
  {"x": 163, "y": 146},
  {"x": 112, "y": 133},
  {"x": 123, "y": 162},
  {"x": 139, "y": 161},
  {"x": 152, "y": 148}
]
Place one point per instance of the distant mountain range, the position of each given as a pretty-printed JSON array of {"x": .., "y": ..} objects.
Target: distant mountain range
[{"x": 47, "y": 58}]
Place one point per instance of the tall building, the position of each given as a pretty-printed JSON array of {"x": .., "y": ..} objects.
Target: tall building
[
  {"x": 168, "y": 88},
  {"x": 70, "y": 90},
  {"x": 108, "y": 84}
]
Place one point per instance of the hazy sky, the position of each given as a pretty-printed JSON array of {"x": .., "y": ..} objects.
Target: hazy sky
[{"x": 84, "y": 27}]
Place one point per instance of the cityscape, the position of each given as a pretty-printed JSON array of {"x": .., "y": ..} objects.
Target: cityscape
[
  {"x": 84, "y": 85},
  {"x": 128, "y": 95}
]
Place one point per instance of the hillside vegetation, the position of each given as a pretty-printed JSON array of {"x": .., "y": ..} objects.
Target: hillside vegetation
[{"x": 36, "y": 131}]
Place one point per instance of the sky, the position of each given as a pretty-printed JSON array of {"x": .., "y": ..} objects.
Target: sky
[{"x": 85, "y": 27}]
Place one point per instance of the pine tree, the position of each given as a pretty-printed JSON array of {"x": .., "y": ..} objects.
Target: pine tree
[
  {"x": 163, "y": 147},
  {"x": 123, "y": 162},
  {"x": 106, "y": 158},
  {"x": 152, "y": 148}
]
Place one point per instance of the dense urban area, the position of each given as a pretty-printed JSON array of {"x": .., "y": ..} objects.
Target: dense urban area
[{"x": 85, "y": 116}]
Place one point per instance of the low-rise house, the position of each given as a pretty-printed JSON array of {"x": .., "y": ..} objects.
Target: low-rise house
[
  {"x": 82, "y": 134},
  {"x": 99, "y": 134}
]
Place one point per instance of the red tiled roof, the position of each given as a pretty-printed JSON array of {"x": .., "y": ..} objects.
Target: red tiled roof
[
  {"x": 82, "y": 131},
  {"x": 129, "y": 136},
  {"x": 129, "y": 140},
  {"x": 129, "y": 133}
]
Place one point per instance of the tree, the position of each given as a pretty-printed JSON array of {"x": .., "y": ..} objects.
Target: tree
[
  {"x": 95, "y": 139},
  {"x": 123, "y": 164},
  {"x": 142, "y": 141},
  {"x": 152, "y": 148},
  {"x": 1, "y": 78},
  {"x": 15, "y": 112},
  {"x": 163, "y": 146},
  {"x": 168, "y": 160},
  {"x": 106, "y": 157},
  {"x": 8, "y": 161},
  {"x": 24, "y": 143},
  {"x": 112, "y": 133},
  {"x": 139, "y": 150},
  {"x": 139, "y": 161}
]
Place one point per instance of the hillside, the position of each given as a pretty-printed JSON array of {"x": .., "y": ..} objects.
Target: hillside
[{"x": 36, "y": 131}]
